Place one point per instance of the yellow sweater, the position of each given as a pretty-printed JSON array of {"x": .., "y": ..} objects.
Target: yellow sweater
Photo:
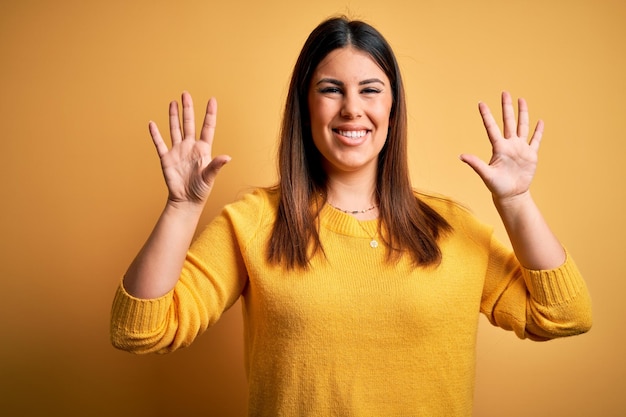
[{"x": 354, "y": 335}]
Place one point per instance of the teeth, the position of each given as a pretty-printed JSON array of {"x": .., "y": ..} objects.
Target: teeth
[{"x": 352, "y": 133}]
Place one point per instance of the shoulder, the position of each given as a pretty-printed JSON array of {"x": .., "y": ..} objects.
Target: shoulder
[
  {"x": 252, "y": 214},
  {"x": 459, "y": 216},
  {"x": 257, "y": 205}
]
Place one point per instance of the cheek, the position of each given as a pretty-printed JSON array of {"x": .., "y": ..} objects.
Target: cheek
[
  {"x": 317, "y": 126},
  {"x": 314, "y": 112},
  {"x": 384, "y": 117},
  {"x": 320, "y": 117},
  {"x": 382, "y": 112},
  {"x": 322, "y": 107}
]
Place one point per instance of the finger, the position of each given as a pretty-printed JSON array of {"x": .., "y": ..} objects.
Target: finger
[
  {"x": 508, "y": 116},
  {"x": 522, "y": 119},
  {"x": 157, "y": 139},
  {"x": 477, "y": 164},
  {"x": 493, "y": 131},
  {"x": 189, "y": 128},
  {"x": 214, "y": 167},
  {"x": 535, "y": 141},
  {"x": 210, "y": 122},
  {"x": 175, "y": 132}
]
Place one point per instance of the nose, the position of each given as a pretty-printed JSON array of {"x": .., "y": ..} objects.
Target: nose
[{"x": 351, "y": 106}]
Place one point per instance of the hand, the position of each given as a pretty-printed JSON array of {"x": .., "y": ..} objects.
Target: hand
[
  {"x": 188, "y": 167},
  {"x": 514, "y": 159}
]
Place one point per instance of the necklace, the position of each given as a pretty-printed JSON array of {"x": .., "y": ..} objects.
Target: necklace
[
  {"x": 373, "y": 242},
  {"x": 353, "y": 211}
]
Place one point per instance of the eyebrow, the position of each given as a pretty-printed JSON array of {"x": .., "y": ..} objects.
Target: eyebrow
[{"x": 341, "y": 83}]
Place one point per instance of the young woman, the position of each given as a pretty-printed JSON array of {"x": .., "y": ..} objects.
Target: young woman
[{"x": 360, "y": 296}]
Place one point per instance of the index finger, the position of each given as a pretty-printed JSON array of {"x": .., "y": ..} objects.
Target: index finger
[
  {"x": 210, "y": 121},
  {"x": 493, "y": 131}
]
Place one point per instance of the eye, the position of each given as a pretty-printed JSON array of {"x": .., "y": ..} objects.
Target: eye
[
  {"x": 330, "y": 90},
  {"x": 371, "y": 90}
]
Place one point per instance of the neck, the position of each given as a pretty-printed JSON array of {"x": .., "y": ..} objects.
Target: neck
[{"x": 353, "y": 194}]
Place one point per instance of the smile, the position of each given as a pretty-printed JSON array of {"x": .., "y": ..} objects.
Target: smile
[{"x": 352, "y": 133}]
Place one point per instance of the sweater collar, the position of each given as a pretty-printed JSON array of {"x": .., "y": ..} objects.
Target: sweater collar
[{"x": 345, "y": 224}]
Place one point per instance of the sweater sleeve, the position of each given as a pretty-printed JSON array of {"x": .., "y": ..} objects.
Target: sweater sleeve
[
  {"x": 538, "y": 305},
  {"x": 212, "y": 279}
]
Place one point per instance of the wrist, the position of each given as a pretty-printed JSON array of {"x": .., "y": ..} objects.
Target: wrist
[
  {"x": 185, "y": 207},
  {"x": 513, "y": 201}
]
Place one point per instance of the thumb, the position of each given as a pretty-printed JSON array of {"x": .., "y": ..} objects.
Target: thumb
[
  {"x": 477, "y": 164},
  {"x": 210, "y": 172}
]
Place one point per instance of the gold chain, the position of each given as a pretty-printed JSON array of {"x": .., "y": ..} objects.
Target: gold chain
[{"x": 373, "y": 242}]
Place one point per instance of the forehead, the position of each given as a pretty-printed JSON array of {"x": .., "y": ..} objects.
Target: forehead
[{"x": 349, "y": 64}]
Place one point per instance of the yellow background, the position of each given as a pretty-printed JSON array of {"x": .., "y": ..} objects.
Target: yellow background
[{"x": 81, "y": 184}]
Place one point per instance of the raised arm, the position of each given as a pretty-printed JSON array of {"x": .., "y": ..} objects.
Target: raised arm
[
  {"x": 189, "y": 172},
  {"x": 508, "y": 176}
]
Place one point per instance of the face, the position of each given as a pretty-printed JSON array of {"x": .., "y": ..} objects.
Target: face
[{"x": 350, "y": 101}]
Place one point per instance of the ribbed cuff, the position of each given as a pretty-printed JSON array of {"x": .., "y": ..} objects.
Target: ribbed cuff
[
  {"x": 139, "y": 316},
  {"x": 555, "y": 286}
]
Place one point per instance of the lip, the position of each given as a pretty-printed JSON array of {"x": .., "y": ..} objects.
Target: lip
[
  {"x": 355, "y": 140},
  {"x": 351, "y": 135}
]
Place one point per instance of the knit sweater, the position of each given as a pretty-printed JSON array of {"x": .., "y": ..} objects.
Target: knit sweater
[{"x": 354, "y": 335}]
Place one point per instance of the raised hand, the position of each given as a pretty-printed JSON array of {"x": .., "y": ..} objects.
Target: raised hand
[
  {"x": 188, "y": 167},
  {"x": 512, "y": 166}
]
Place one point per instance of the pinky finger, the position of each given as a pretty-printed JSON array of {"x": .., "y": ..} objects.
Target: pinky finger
[{"x": 157, "y": 139}]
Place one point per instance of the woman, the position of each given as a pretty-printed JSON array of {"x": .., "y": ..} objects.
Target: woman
[{"x": 360, "y": 296}]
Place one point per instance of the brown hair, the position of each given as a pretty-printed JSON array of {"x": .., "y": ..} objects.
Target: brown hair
[{"x": 409, "y": 224}]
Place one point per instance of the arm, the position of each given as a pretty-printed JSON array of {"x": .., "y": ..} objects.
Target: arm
[
  {"x": 189, "y": 172},
  {"x": 508, "y": 176}
]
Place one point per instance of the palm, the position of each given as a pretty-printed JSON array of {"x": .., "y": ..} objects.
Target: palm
[
  {"x": 182, "y": 168},
  {"x": 514, "y": 159},
  {"x": 188, "y": 168}
]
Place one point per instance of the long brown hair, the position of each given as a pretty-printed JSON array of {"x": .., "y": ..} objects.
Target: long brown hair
[{"x": 407, "y": 223}]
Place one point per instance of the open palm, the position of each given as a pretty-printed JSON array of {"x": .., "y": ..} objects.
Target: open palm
[
  {"x": 188, "y": 167},
  {"x": 514, "y": 158}
]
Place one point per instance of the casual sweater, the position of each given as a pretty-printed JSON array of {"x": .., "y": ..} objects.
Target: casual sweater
[{"x": 354, "y": 335}]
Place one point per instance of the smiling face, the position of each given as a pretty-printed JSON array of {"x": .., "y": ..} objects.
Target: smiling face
[{"x": 350, "y": 102}]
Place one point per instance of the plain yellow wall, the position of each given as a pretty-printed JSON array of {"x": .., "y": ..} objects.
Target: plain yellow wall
[{"x": 81, "y": 185}]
